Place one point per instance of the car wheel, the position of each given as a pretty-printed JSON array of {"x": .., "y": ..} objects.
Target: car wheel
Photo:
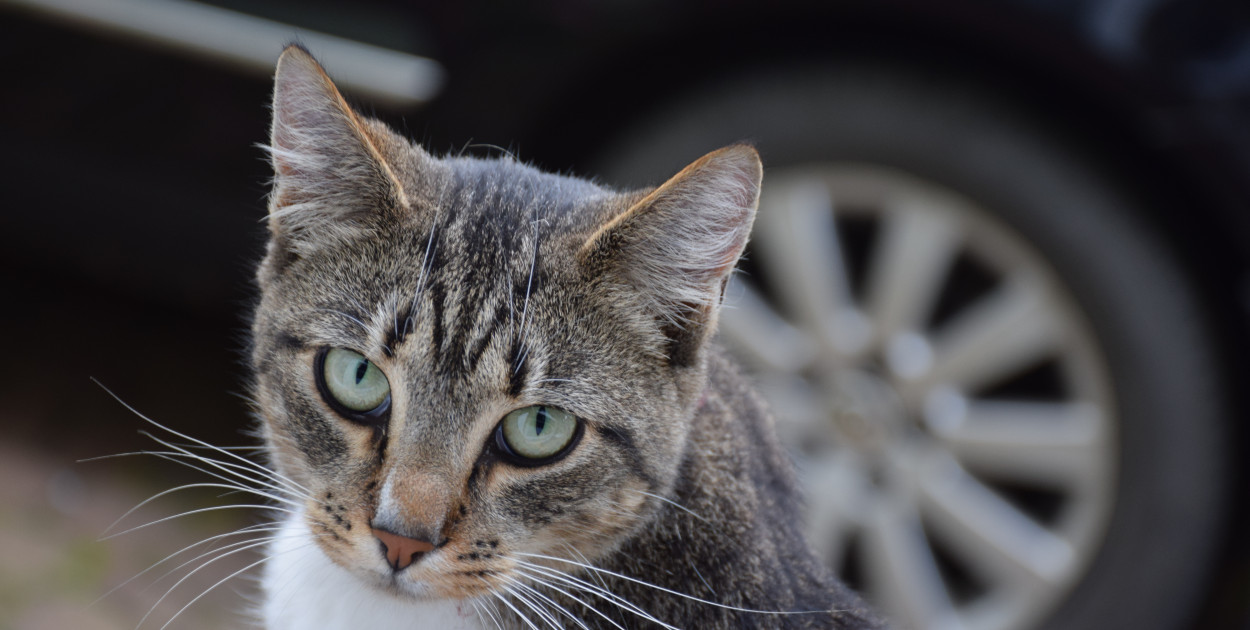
[{"x": 990, "y": 370}]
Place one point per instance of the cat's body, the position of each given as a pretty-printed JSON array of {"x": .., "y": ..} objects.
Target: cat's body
[{"x": 559, "y": 443}]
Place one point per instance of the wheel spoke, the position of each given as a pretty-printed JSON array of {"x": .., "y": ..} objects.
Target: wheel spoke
[
  {"x": 994, "y": 339},
  {"x": 990, "y": 533},
  {"x": 902, "y": 571},
  {"x": 797, "y": 239},
  {"x": 759, "y": 336},
  {"x": 1057, "y": 444},
  {"x": 917, "y": 247},
  {"x": 799, "y": 408},
  {"x": 836, "y": 490}
]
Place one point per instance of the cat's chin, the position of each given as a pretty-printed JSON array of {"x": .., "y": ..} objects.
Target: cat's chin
[{"x": 305, "y": 589}]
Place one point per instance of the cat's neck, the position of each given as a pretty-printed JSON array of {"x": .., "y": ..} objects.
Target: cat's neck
[{"x": 728, "y": 539}]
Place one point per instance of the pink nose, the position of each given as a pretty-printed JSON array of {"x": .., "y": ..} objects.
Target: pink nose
[{"x": 401, "y": 551}]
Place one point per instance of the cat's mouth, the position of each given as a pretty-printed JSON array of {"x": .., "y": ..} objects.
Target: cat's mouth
[{"x": 438, "y": 574}]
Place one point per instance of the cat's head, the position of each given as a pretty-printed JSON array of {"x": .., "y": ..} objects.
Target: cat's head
[{"x": 461, "y": 361}]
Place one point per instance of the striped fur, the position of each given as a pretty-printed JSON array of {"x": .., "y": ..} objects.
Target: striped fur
[{"x": 482, "y": 286}]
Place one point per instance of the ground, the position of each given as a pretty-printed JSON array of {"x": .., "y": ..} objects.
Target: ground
[{"x": 53, "y": 511}]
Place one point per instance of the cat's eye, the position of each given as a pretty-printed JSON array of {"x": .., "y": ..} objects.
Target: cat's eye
[
  {"x": 537, "y": 434},
  {"x": 350, "y": 381}
]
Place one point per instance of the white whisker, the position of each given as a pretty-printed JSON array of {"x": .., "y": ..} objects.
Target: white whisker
[
  {"x": 348, "y": 316},
  {"x": 701, "y": 578},
  {"x": 215, "y": 508},
  {"x": 216, "y": 552},
  {"x": 536, "y": 593},
  {"x": 525, "y": 308},
  {"x": 188, "y": 486},
  {"x": 569, "y": 595},
  {"x": 602, "y": 593},
  {"x": 202, "y": 443},
  {"x": 178, "y": 459},
  {"x": 238, "y": 532},
  {"x": 489, "y": 608},
  {"x": 672, "y": 592},
  {"x": 222, "y": 581},
  {"x": 253, "y": 544},
  {"x": 532, "y": 605},
  {"x": 237, "y": 471},
  {"x": 672, "y": 503},
  {"x": 514, "y": 609}
]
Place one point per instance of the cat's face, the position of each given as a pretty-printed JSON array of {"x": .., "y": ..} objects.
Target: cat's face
[{"x": 466, "y": 359}]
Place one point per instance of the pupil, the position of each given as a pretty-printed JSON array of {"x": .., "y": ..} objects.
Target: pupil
[
  {"x": 360, "y": 371},
  {"x": 541, "y": 421}
]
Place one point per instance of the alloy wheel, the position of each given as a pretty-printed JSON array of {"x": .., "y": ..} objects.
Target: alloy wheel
[{"x": 951, "y": 415}]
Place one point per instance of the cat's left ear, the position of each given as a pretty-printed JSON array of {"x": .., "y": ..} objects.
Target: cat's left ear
[
  {"x": 334, "y": 170},
  {"x": 679, "y": 244}
]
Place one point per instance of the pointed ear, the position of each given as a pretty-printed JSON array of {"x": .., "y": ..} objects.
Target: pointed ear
[
  {"x": 332, "y": 168},
  {"x": 678, "y": 245}
]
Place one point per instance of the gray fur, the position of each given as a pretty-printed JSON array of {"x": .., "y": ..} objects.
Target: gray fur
[{"x": 481, "y": 286}]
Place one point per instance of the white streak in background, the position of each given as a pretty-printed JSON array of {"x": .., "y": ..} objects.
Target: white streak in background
[{"x": 252, "y": 43}]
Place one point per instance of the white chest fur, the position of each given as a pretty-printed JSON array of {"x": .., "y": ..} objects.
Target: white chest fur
[{"x": 305, "y": 590}]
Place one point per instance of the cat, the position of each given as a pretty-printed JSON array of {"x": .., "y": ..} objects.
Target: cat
[{"x": 492, "y": 397}]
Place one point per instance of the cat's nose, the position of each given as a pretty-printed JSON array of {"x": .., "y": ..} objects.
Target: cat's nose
[{"x": 401, "y": 551}]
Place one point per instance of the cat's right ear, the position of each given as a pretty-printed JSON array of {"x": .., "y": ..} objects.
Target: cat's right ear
[
  {"x": 678, "y": 245},
  {"x": 334, "y": 170}
]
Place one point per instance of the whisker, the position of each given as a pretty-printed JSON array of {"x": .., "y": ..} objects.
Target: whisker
[
  {"x": 609, "y": 596},
  {"x": 272, "y": 529},
  {"x": 202, "y": 443},
  {"x": 672, "y": 592},
  {"x": 536, "y": 593},
  {"x": 525, "y": 309},
  {"x": 189, "y": 486},
  {"x": 569, "y": 595},
  {"x": 217, "y": 552},
  {"x": 352, "y": 318},
  {"x": 180, "y": 459},
  {"x": 532, "y": 605},
  {"x": 701, "y": 578},
  {"x": 514, "y": 609},
  {"x": 243, "y": 447},
  {"x": 200, "y": 511},
  {"x": 581, "y": 556},
  {"x": 488, "y": 607},
  {"x": 553, "y": 380},
  {"x": 267, "y": 479},
  {"x": 223, "y": 581},
  {"x": 672, "y": 503},
  {"x": 194, "y": 571},
  {"x": 477, "y": 609},
  {"x": 425, "y": 261},
  {"x": 238, "y": 532},
  {"x": 511, "y": 303}
]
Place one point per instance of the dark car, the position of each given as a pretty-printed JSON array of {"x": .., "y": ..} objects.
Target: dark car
[{"x": 997, "y": 293}]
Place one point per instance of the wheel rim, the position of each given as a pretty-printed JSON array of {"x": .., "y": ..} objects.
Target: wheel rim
[{"x": 951, "y": 417}]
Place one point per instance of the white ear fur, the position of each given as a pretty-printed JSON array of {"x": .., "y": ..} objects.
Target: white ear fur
[
  {"x": 326, "y": 165},
  {"x": 680, "y": 243}
]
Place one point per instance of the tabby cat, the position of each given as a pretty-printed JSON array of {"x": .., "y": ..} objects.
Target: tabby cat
[{"x": 495, "y": 400}]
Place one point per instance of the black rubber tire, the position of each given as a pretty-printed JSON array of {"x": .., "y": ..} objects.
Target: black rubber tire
[{"x": 1157, "y": 557}]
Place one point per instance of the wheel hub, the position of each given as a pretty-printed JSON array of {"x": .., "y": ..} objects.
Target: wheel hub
[{"x": 868, "y": 413}]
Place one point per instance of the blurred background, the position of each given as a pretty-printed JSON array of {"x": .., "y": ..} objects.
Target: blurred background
[{"x": 997, "y": 291}]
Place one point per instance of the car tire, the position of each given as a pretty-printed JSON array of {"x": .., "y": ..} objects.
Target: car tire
[{"x": 1155, "y": 553}]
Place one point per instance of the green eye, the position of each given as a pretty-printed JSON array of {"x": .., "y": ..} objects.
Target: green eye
[
  {"x": 352, "y": 381},
  {"x": 538, "y": 432}
]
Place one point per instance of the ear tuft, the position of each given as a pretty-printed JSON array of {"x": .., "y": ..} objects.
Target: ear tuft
[{"x": 678, "y": 245}]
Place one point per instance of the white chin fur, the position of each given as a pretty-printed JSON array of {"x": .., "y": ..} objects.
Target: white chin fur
[{"x": 305, "y": 590}]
